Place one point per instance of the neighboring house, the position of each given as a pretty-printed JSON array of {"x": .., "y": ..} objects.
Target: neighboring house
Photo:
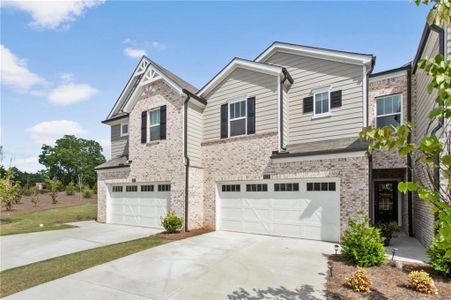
[
  {"x": 41, "y": 185},
  {"x": 268, "y": 146}
]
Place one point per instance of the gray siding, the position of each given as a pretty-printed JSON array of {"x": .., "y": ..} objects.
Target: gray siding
[
  {"x": 241, "y": 84},
  {"x": 119, "y": 144},
  {"x": 194, "y": 135},
  {"x": 312, "y": 73},
  {"x": 425, "y": 102}
]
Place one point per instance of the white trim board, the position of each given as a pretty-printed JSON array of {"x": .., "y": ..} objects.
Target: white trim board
[
  {"x": 318, "y": 157},
  {"x": 358, "y": 59},
  {"x": 239, "y": 63}
]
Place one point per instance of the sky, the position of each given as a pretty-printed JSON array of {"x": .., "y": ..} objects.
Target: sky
[{"x": 63, "y": 64}]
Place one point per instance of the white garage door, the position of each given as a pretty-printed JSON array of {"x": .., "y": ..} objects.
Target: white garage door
[
  {"x": 305, "y": 208},
  {"x": 139, "y": 204}
]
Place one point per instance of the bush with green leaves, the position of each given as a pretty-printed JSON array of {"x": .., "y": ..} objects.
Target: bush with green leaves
[
  {"x": 26, "y": 190},
  {"x": 10, "y": 190},
  {"x": 439, "y": 261},
  {"x": 362, "y": 244},
  {"x": 70, "y": 189},
  {"x": 87, "y": 192},
  {"x": 172, "y": 223}
]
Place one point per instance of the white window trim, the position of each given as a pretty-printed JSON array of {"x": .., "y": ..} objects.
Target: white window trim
[
  {"x": 320, "y": 91},
  {"x": 128, "y": 129},
  {"x": 376, "y": 116},
  {"x": 149, "y": 126},
  {"x": 240, "y": 118}
]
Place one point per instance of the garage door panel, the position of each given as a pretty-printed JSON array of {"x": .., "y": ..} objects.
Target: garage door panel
[
  {"x": 138, "y": 208},
  {"x": 301, "y": 213}
]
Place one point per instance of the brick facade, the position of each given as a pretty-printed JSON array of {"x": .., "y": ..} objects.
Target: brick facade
[{"x": 248, "y": 158}]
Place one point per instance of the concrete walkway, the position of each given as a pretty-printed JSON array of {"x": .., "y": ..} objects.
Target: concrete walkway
[
  {"x": 23, "y": 249},
  {"x": 217, "y": 265},
  {"x": 408, "y": 248}
]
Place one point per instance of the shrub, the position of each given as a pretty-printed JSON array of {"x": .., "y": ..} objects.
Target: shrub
[
  {"x": 387, "y": 229},
  {"x": 87, "y": 192},
  {"x": 171, "y": 223},
  {"x": 26, "y": 191},
  {"x": 439, "y": 262},
  {"x": 70, "y": 189},
  {"x": 54, "y": 186},
  {"x": 420, "y": 281},
  {"x": 362, "y": 244},
  {"x": 10, "y": 190},
  {"x": 359, "y": 281}
]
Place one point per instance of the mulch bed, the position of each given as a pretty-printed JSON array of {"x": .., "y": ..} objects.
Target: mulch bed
[
  {"x": 388, "y": 282},
  {"x": 182, "y": 234},
  {"x": 45, "y": 202}
]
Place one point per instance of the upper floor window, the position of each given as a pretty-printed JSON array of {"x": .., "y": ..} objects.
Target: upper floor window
[
  {"x": 321, "y": 102},
  {"x": 124, "y": 129},
  {"x": 388, "y": 111},
  {"x": 237, "y": 118},
  {"x": 154, "y": 125}
]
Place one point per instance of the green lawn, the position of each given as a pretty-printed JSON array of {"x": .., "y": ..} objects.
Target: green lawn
[
  {"x": 25, "y": 277},
  {"x": 52, "y": 219}
]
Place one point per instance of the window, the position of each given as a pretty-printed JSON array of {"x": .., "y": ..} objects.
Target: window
[
  {"x": 117, "y": 189},
  {"x": 124, "y": 129},
  {"x": 286, "y": 187},
  {"x": 164, "y": 187},
  {"x": 231, "y": 188},
  {"x": 321, "y": 103},
  {"x": 131, "y": 188},
  {"x": 257, "y": 187},
  {"x": 321, "y": 186},
  {"x": 388, "y": 111},
  {"x": 154, "y": 125},
  {"x": 147, "y": 188},
  {"x": 237, "y": 118}
]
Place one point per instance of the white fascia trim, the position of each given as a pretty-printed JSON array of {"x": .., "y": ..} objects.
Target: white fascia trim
[
  {"x": 358, "y": 59},
  {"x": 278, "y": 113},
  {"x": 131, "y": 101},
  {"x": 239, "y": 63},
  {"x": 318, "y": 157},
  {"x": 388, "y": 76},
  {"x": 138, "y": 70},
  {"x": 365, "y": 97}
]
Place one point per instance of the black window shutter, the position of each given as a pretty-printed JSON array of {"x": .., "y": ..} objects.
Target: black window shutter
[
  {"x": 143, "y": 127},
  {"x": 224, "y": 121},
  {"x": 308, "y": 104},
  {"x": 163, "y": 122},
  {"x": 251, "y": 115},
  {"x": 335, "y": 99}
]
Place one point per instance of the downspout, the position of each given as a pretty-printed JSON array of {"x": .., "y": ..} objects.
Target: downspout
[
  {"x": 286, "y": 76},
  {"x": 185, "y": 155},
  {"x": 370, "y": 156},
  {"x": 409, "y": 156}
]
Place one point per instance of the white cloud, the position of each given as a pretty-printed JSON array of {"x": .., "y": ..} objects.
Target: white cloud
[
  {"x": 69, "y": 92},
  {"x": 28, "y": 164},
  {"x": 53, "y": 14},
  {"x": 134, "y": 53},
  {"x": 106, "y": 146},
  {"x": 49, "y": 131},
  {"x": 158, "y": 46},
  {"x": 14, "y": 72}
]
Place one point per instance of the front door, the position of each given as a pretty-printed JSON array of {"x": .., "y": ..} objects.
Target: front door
[{"x": 386, "y": 202}]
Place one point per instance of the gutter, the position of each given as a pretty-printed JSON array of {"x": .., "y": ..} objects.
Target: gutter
[{"x": 286, "y": 76}]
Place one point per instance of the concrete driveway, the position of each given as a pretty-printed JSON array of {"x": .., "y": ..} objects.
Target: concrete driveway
[
  {"x": 218, "y": 265},
  {"x": 22, "y": 249}
]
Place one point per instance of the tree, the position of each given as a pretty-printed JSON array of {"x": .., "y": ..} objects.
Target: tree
[
  {"x": 71, "y": 157},
  {"x": 10, "y": 190},
  {"x": 431, "y": 152}
]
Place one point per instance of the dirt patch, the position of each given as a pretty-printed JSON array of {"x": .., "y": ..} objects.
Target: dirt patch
[
  {"x": 45, "y": 202},
  {"x": 182, "y": 234},
  {"x": 388, "y": 282}
]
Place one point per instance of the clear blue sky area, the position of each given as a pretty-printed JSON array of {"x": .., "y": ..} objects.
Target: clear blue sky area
[{"x": 194, "y": 40}]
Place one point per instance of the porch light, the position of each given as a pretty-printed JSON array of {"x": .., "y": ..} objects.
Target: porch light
[
  {"x": 336, "y": 249},
  {"x": 393, "y": 252}
]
